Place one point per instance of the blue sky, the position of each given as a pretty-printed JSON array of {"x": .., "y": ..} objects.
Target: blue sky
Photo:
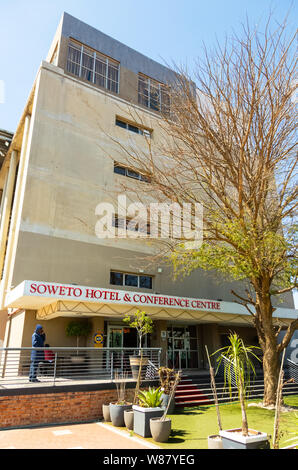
[{"x": 165, "y": 30}]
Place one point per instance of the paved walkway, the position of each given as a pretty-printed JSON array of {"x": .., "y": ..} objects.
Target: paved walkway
[{"x": 76, "y": 436}]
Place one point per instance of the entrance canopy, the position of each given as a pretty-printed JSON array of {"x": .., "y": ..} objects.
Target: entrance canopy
[{"x": 52, "y": 300}]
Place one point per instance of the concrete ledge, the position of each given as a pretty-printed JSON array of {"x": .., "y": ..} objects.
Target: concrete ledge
[{"x": 41, "y": 388}]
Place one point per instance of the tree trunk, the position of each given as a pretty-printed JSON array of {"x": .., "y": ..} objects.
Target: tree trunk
[
  {"x": 268, "y": 342},
  {"x": 271, "y": 372}
]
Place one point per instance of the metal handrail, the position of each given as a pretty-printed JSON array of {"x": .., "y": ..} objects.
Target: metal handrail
[
  {"x": 293, "y": 370},
  {"x": 70, "y": 364}
]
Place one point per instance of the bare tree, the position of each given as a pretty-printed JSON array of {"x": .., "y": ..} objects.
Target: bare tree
[{"x": 229, "y": 144}]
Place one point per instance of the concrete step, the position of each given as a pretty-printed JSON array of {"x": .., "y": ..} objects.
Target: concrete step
[
  {"x": 196, "y": 398},
  {"x": 192, "y": 403},
  {"x": 182, "y": 393},
  {"x": 188, "y": 393}
]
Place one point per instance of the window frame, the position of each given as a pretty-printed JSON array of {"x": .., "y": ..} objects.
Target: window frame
[
  {"x": 128, "y": 125},
  {"x": 145, "y": 96},
  {"x": 141, "y": 176},
  {"x": 138, "y": 275},
  {"x": 115, "y": 223},
  {"x": 109, "y": 64}
]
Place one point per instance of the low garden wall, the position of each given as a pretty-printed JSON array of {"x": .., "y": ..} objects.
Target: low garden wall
[{"x": 55, "y": 405}]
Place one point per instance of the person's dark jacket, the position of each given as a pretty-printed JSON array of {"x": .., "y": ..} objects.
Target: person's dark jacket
[{"x": 37, "y": 342}]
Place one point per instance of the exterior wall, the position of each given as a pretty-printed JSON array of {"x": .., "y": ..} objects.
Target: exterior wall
[
  {"x": 37, "y": 408},
  {"x": 70, "y": 172},
  {"x": 15, "y": 324},
  {"x": 248, "y": 334},
  {"x": 131, "y": 61},
  {"x": 210, "y": 337},
  {"x": 20, "y": 327},
  {"x": 55, "y": 259}
]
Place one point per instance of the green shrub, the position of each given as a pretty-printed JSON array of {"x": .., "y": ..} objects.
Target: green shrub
[{"x": 150, "y": 398}]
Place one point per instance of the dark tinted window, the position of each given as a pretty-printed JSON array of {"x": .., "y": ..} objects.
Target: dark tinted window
[
  {"x": 116, "y": 278},
  {"x": 133, "y": 128},
  {"x": 146, "y": 282},
  {"x": 131, "y": 280},
  {"x": 120, "y": 170},
  {"x": 121, "y": 123},
  {"x": 133, "y": 174}
]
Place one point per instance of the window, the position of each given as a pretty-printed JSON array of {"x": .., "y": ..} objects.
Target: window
[
  {"x": 125, "y": 223},
  {"x": 116, "y": 278},
  {"x": 125, "y": 171},
  {"x": 93, "y": 66},
  {"x": 132, "y": 280},
  {"x": 153, "y": 94},
  {"x": 120, "y": 170},
  {"x": 133, "y": 127},
  {"x": 133, "y": 174},
  {"x": 182, "y": 347}
]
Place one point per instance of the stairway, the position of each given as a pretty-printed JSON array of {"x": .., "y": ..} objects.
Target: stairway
[
  {"x": 188, "y": 393},
  {"x": 195, "y": 390}
]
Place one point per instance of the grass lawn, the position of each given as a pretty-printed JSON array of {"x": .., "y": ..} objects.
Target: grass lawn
[{"x": 192, "y": 426}]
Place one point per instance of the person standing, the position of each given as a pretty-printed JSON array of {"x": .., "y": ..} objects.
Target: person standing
[{"x": 38, "y": 339}]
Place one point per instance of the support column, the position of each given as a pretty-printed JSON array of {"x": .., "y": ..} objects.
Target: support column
[
  {"x": 211, "y": 338},
  {"x": 97, "y": 325},
  {"x": 16, "y": 214},
  {"x": 158, "y": 341},
  {"x": 6, "y": 206}
]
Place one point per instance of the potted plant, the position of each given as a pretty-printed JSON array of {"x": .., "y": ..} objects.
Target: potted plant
[
  {"x": 294, "y": 433},
  {"x": 238, "y": 366},
  {"x": 106, "y": 412},
  {"x": 167, "y": 379},
  {"x": 160, "y": 427},
  {"x": 144, "y": 325},
  {"x": 129, "y": 419},
  {"x": 118, "y": 408},
  {"x": 149, "y": 407},
  {"x": 78, "y": 329}
]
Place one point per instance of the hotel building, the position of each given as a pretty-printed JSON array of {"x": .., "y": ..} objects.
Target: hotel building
[{"x": 63, "y": 161}]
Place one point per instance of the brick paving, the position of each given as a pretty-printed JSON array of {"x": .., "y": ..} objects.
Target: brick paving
[{"x": 75, "y": 436}]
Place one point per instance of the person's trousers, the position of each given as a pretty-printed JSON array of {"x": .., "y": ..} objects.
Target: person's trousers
[{"x": 33, "y": 369}]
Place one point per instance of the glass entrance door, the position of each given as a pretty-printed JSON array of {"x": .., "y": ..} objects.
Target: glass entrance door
[
  {"x": 121, "y": 337},
  {"x": 182, "y": 350},
  {"x": 115, "y": 337}
]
